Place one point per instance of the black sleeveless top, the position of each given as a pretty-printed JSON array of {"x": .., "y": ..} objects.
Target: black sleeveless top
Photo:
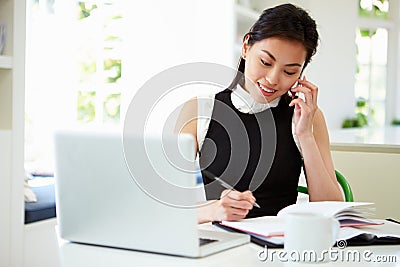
[{"x": 252, "y": 151}]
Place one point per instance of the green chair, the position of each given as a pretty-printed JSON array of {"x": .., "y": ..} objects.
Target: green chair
[{"x": 348, "y": 194}]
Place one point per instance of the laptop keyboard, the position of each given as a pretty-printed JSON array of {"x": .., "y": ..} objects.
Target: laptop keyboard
[{"x": 205, "y": 241}]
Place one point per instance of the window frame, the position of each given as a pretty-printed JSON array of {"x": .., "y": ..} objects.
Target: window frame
[{"x": 392, "y": 25}]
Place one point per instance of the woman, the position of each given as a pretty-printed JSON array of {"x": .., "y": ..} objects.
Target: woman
[{"x": 260, "y": 133}]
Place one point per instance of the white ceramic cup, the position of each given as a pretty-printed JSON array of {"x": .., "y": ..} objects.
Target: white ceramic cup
[{"x": 309, "y": 237}]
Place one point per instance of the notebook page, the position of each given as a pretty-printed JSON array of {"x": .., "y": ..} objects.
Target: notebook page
[
  {"x": 327, "y": 208},
  {"x": 266, "y": 226}
]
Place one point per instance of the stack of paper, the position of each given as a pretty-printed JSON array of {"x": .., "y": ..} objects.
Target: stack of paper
[{"x": 347, "y": 213}]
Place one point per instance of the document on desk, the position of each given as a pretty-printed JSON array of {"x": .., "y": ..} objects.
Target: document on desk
[
  {"x": 267, "y": 226},
  {"x": 270, "y": 229},
  {"x": 347, "y": 213}
]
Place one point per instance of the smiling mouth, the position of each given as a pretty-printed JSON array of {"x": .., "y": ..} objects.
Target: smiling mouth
[{"x": 265, "y": 89}]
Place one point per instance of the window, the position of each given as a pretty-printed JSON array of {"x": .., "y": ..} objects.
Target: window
[
  {"x": 376, "y": 29},
  {"x": 99, "y": 62},
  {"x": 74, "y": 71},
  {"x": 370, "y": 87}
]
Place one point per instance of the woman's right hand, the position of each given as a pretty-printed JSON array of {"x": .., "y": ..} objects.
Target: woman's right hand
[{"x": 233, "y": 205}]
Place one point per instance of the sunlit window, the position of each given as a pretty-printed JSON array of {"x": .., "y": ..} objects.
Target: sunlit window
[
  {"x": 371, "y": 76},
  {"x": 74, "y": 70},
  {"x": 99, "y": 62},
  {"x": 374, "y": 8},
  {"x": 372, "y": 55}
]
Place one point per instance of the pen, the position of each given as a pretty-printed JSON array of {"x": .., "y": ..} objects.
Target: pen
[{"x": 224, "y": 184}]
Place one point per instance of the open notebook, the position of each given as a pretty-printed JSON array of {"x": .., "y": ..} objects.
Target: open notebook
[
  {"x": 347, "y": 213},
  {"x": 353, "y": 218}
]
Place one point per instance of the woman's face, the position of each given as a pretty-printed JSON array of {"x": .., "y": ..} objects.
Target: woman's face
[{"x": 273, "y": 65}]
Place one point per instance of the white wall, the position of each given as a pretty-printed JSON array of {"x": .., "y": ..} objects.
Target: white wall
[
  {"x": 372, "y": 178},
  {"x": 163, "y": 34},
  {"x": 334, "y": 66}
]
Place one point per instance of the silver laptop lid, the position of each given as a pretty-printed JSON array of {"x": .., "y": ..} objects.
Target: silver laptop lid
[{"x": 128, "y": 193}]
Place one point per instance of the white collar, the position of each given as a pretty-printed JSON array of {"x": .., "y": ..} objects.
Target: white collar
[{"x": 245, "y": 103}]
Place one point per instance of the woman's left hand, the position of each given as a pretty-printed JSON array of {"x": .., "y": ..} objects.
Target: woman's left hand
[{"x": 304, "y": 110}]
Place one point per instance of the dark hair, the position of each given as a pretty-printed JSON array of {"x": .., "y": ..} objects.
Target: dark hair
[{"x": 285, "y": 21}]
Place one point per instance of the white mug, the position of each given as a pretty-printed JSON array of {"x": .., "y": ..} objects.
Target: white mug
[{"x": 309, "y": 237}]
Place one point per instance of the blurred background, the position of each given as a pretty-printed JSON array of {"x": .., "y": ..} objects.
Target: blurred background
[{"x": 86, "y": 59}]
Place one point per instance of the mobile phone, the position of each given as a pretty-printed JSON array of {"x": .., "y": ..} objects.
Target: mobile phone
[{"x": 295, "y": 95}]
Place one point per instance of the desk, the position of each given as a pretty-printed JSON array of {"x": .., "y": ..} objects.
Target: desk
[{"x": 76, "y": 255}]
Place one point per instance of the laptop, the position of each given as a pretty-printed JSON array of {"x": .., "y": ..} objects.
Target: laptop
[{"x": 132, "y": 192}]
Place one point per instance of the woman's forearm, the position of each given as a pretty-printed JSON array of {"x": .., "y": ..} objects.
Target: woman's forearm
[
  {"x": 321, "y": 181},
  {"x": 206, "y": 211}
]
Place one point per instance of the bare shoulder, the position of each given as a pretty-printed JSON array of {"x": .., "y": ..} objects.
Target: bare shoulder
[{"x": 190, "y": 106}]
